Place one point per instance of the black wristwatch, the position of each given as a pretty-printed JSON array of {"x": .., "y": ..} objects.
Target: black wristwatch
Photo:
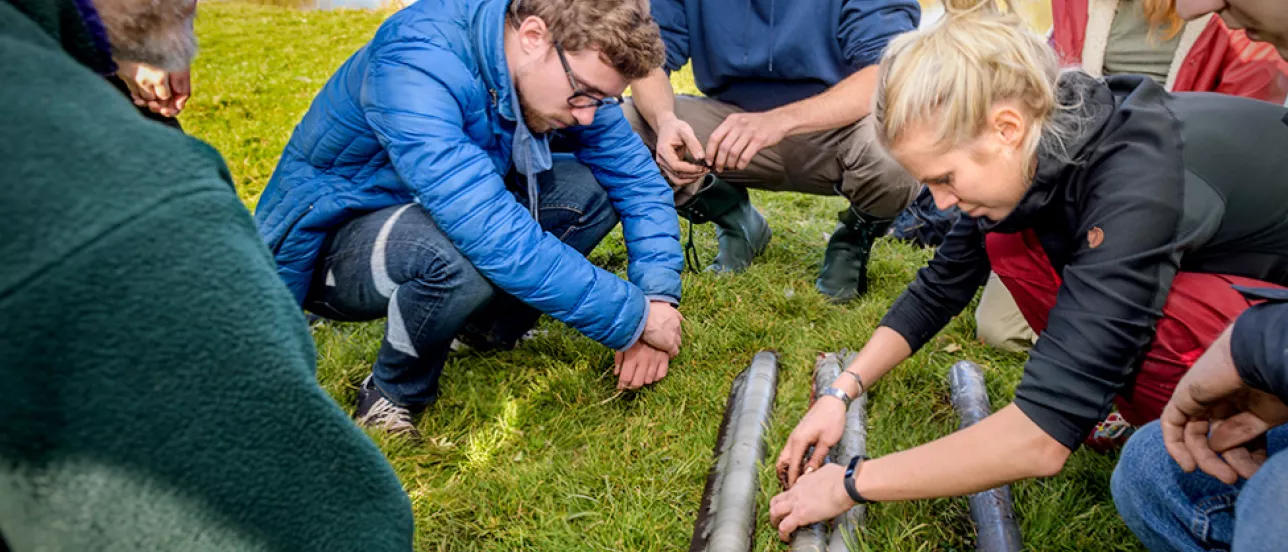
[{"x": 850, "y": 472}]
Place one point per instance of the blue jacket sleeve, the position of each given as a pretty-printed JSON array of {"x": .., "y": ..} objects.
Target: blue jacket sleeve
[
  {"x": 642, "y": 198},
  {"x": 672, "y": 20},
  {"x": 867, "y": 27},
  {"x": 407, "y": 99}
]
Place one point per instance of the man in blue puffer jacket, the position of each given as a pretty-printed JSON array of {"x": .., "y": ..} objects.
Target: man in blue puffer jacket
[
  {"x": 787, "y": 90},
  {"x": 420, "y": 187}
]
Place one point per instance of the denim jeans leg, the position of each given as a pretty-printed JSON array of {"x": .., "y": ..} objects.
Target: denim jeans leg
[
  {"x": 1259, "y": 512},
  {"x": 573, "y": 208},
  {"x": 1165, "y": 507},
  {"x": 1169, "y": 509},
  {"x": 395, "y": 263}
]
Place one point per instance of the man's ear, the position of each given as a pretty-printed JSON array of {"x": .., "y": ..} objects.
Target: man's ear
[{"x": 534, "y": 36}]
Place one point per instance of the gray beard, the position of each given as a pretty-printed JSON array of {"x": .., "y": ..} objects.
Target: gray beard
[{"x": 154, "y": 32}]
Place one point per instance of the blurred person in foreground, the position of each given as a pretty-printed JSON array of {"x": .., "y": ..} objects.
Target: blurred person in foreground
[{"x": 159, "y": 386}]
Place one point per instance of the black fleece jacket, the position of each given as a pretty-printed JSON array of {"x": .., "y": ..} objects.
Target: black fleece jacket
[{"x": 1193, "y": 182}]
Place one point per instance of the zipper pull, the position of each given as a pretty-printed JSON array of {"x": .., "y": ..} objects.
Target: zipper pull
[{"x": 492, "y": 91}]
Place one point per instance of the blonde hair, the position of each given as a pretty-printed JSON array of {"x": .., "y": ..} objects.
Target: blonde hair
[{"x": 955, "y": 72}]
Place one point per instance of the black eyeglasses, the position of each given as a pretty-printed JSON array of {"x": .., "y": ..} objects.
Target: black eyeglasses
[{"x": 580, "y": 98}]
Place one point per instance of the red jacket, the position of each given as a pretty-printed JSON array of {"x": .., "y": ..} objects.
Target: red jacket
[{"x": 1210, "y": 57}]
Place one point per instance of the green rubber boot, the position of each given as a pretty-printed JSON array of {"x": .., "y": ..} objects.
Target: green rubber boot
[
  {"x": 845, "y": 263},
  {"x": 740, "y": 229}
]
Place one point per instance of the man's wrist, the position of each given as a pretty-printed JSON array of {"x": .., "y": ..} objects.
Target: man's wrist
[
  {"x": 663, "y": 299},
  {"x": 638, "y": 335},
  {"x": 664, "y": 118},
  {"x": 785, "y": 119}
]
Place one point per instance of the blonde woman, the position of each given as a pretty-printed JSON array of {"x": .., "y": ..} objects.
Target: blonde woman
[
  {"x": 1144, "y": 37},
  {"x": 1115, "y": 37},
  {"x": 1148, "y": 205}
]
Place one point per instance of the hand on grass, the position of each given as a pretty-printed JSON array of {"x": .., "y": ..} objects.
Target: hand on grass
[{"x": 640, "y": 365}]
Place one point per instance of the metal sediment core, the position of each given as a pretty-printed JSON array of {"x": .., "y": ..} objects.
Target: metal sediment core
[
  {"x": 992, "y": 511},
  {"x": 854, "y": 442},
  {"x": 726, "y": 520},
  {"x": 814, "y": 537}
]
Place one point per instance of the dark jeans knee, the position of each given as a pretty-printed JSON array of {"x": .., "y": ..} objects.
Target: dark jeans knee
[
  {"x": 449, "y": 289},
  {"x": 600, "y": 218},
  {"x": 574, "y": 207}
]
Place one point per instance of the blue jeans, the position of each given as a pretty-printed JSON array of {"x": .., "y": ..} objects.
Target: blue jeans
[
  {"x": 922, "y": 223},
  {"x": 1169, "y": 509},
  {"x": 396, "y": 264}
]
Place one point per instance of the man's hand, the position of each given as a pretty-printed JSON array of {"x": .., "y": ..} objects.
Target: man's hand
[
  {"x": 741, "y": 136},
  {"x": 662, "y": 329},
  {"x": 819, "y": 495},
  {"x": 180, "y": 91},
  {"x": 1212, "y": 412},
  {"x": 821, "y": 428},
  {"x": 161, "y": 92},
  {"x": 674, "y": 139},
  {"x": 640, "y": 365}
]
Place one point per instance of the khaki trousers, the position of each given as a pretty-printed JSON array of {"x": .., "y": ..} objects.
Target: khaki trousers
[
  {"x": 847, "y": 160},
  {"x": 998, "y": 320}
]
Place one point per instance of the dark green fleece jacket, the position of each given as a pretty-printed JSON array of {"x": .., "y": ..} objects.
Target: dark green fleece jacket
[{"x": 157, "y": 382}]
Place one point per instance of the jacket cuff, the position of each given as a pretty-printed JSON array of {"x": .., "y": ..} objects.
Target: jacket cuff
[
  {"x": 663, "y": 298},
  {"x": 638, "y": 331},
  {"x": 1258, "y": 343},
  {"x": 1054, "y": 422}
]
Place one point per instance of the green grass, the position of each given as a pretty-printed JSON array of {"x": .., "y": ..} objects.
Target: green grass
[{"x": 533, "y": 449}]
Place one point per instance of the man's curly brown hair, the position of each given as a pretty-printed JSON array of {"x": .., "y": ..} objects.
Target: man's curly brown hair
[{"x": 622, "y": 31}]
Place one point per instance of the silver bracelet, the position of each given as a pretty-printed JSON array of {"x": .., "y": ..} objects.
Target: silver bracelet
[
  {"x": 862, "y": 388},
  {"x": 836, "y": 392}
]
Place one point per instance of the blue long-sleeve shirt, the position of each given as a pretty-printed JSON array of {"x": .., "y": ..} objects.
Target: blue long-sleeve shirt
[{"x": 762, "y": 54}]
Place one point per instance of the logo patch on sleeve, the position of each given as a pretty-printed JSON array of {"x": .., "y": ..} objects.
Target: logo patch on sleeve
[{"x": 1095, "y": 237}]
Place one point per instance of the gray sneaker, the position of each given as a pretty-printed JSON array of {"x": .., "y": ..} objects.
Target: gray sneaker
[{"x": 376, "y": 412}]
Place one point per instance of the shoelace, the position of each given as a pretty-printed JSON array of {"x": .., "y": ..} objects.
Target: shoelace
[{"x": 390, "y": 416}]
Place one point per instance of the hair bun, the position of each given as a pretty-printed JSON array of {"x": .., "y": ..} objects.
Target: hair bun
[{"x": 966, "y": 8}]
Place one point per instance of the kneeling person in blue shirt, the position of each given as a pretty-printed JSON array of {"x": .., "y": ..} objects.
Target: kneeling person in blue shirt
[
  {"x": 421, "y": 187},
  {"x": 786, "y": 97}
]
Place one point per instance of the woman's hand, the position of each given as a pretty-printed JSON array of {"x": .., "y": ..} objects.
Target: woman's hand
[
  {"x": 821, "y": 427},
  {"x": 820, "y": 495}
]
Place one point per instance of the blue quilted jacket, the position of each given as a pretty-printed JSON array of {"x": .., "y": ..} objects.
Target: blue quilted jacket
[{"x": 425, "y": 112}]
